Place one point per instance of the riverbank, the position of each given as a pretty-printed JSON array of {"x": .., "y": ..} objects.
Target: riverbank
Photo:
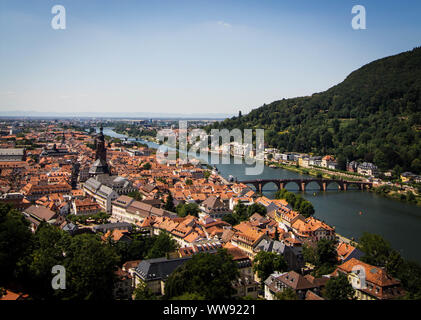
[
  {"x": 316, "y": 172},
  {"x": 395, "y": 193},
  {"x": 388, "y": 192}
]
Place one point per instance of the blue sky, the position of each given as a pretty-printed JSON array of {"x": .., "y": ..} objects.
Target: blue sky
[{"x": 189, "y": 56}]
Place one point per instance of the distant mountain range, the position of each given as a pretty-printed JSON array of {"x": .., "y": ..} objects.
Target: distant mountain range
[
  {"x": 105, "y": 115},
  {"x": 374, "y": 115}
]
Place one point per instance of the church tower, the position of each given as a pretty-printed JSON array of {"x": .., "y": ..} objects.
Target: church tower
[
  {"x": 100, "y": 165},
  {"x": 101, "y": 151}
]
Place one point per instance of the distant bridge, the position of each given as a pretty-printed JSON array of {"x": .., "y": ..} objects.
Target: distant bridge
[{"x": 302, "y": 183}]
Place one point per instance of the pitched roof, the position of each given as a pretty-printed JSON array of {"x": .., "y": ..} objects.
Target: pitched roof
[
  {"x": 40, "y": 212},
  {"x": 297, "y": 281},
  {"x": 160, "y": 268},
  {"x": 373, "y": 274}
]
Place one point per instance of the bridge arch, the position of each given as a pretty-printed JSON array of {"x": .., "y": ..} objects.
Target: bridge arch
[
  {"x": 358, "y": 185},
  {"x": 353, "y": 186},
  {"x": 337, "y": 182},
  {"x": 268, "y": 183},
  {"x": 309, "y": 183},
  {"x": 286, "y": 182}
]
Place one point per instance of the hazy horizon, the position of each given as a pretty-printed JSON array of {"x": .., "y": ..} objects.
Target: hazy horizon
[{"x": 188, "y": 57}]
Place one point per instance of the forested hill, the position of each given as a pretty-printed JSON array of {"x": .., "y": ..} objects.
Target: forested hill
[{"x": 373, "y": 115}]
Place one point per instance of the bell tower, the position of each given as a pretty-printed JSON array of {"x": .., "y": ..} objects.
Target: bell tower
[
  {"x": 101, "y": 151},
  {"x": 100, "y": 165}
]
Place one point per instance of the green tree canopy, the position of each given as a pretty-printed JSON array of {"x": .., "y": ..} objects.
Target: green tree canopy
[
  {"x": 147, "y": 166},
  {"x": 142, "y": 292},
  {"x": 185, "y": 209},
  {"x": 208, "y": 275},
  {"x": 338, "y": 288},
  {"x": 15, "y": 240},
  {"x": 376, "y": 249},
  {"x": 286, "y": 294},
  {"x": 169, "y": 203},
  {"x": 163, "y": 245},
  {"x": 297, "y": 202},
  {"x": 323, "y": 256},
  {"x": 135, "y": 195},
  {"x": 90, "y": 266},
  {"x": 189, "y": 296},
  {"x": 266, "y": 263}
]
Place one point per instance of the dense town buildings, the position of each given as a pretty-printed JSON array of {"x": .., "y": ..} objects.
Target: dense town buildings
[{"x": 85, "y": 175}]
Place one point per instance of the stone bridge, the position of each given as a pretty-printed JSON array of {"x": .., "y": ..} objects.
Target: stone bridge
[{"x": 302, "y": 183}]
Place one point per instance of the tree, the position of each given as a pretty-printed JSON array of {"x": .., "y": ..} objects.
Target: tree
[
  {"x": 207, "y": 174},
  {"x": 416, "y": 165},
  {"x": 231, "y": 219},
  {"x": 266, "y": 263},
  {"x": 169, "y": 203},
  {"x": 276, "y": 234},
  {"x": 15, "y": 240},
  {"x": 135, "y": 195},
  {"x": 410, "y": 274},
  {"x": 323, "y": 256},
  {"x": 376, "y": 249},
  {"x": 256, "y": 208},
  {"x": 163, "y": 245},
  {"x": 186, "y": 209},
  {"x": 147, "y": 166},
  {"x": 90, "y": 266},
  {"x": 326, "y": 253},
  {"x": 49, "y": 249},
  {"x": 341, "y": 161},
  {"x": 240, "y": 212},
  {"x": 410, "y": 196},
  {"x": 286, "y": 294},
  {"x": 309, "y": 254},
  {"x": 142, "y": 292},
  {"x": 338, "y": 288},
  {"x": 297, "y": 202},
  {"x": 189, "y": 296},
  {"x": 306, "y": 209},
  {"x": 208, "y": 275},
  {"x": 136, "y": 249},
  {"x": 336, "y": 125}
]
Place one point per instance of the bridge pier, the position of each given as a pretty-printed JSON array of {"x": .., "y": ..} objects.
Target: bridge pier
[
  {"x": 302, "y": 186},
  {"x": 324, "y": 186},
  {"x": 345, "y": 187}
]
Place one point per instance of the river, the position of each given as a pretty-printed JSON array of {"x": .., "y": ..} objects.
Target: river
[{"x": 399, "y": 223}]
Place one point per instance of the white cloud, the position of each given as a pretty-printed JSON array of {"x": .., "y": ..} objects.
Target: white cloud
[{"x": 224, "y": 24}]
